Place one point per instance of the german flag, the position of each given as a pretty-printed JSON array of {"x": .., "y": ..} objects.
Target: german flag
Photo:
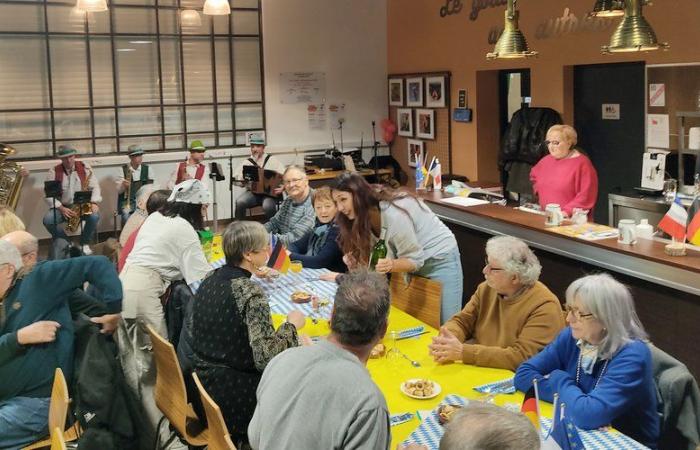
[
  {"x": 693, "y": 232},
  {"x": 529, "y": 408},
  {"x": 279, "y": 259}
]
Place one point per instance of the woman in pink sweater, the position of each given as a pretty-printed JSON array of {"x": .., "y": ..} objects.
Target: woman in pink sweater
[{"x": 565, "y": 176}]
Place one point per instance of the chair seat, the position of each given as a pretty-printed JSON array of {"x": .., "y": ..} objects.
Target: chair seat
[{"x": 69, "y": 435}]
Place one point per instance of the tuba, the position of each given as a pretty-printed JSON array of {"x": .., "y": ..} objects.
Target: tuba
[
  {"x": 10, "y": 178},
  {"x": 80, "y": 210}
]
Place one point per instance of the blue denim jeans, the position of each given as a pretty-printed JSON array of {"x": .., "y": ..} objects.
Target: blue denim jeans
[
  {"x": 23, "y": 420},
  {"x": 447, "y": 269},
  {"x": 57, "y": 231}
]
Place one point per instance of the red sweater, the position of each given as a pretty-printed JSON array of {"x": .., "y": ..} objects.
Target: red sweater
[{"x": 571, "y": 183}]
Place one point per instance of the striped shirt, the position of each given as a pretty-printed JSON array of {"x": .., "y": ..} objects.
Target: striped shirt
[{"x": 293, "y": 220}]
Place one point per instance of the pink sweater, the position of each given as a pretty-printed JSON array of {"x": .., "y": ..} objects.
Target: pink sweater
[{"x": 571, "y": 183}]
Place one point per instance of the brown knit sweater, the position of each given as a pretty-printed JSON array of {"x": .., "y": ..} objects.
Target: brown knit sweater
[{"x": 506, "y": 332}]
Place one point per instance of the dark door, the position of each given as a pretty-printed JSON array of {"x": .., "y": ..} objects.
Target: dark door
[{"x": 614, "y": 146}]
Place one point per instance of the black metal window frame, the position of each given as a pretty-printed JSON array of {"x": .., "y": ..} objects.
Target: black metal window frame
[{"x": 46, "y": 34}]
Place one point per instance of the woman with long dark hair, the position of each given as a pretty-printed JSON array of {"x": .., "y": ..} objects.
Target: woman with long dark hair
[
  {"x": 417, "y": 241},
  {"x": 167, "y": 248}
]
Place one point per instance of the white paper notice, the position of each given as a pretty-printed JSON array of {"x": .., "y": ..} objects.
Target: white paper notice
[
  {"x": 657, "y": 94},
  {"x": 302, "y": 87},
  {"x": 464, "y": 201},
  {"x": 657, "y": 131},
  {"x": 611, "y": 111},
  {"x": 317, "y": 116}
]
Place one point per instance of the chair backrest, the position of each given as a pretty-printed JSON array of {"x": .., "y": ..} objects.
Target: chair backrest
[
  {"x": 219, "y": 438},
  {"x": 58, "y": 408},
  {"x": 57, "y": 440},
  {"x": 170, "y": 394},
  {"x": 421, "y": 298}
]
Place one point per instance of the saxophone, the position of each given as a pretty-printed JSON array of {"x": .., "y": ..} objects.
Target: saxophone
[
  {"x": 80, "y": 210},
  {"x": 10, "y": 178}
]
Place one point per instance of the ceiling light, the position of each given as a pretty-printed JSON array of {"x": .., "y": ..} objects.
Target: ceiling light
[
  {"x": 216, "y": 8},
  {"x": 608, "y": 8},
  {"x": 190, "y": 18},
  {"x": 92, "y": 5},
  {"x": 634, "y": 34},
  {"x": 512, "y": 42}
]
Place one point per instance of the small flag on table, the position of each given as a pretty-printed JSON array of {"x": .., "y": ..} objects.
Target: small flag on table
[
  {"x": 529, "y": 407},
  {"x": 279, "y": 258},
  {"x": 673, "y": 223},
  {"x": 694, "y": 221},
  {"x": 563, "y": 434}
]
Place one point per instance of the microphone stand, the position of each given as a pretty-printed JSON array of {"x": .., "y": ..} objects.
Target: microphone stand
[
  {"x": 230, "y": 184},
  {"x": 340, "y": 127},
  {"x": 376, "y": 149}
]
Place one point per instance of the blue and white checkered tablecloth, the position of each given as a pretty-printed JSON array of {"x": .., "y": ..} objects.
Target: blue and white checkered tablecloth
[
  {"x": 279, "y": 290},
  {"x": 429, "y": 432}
]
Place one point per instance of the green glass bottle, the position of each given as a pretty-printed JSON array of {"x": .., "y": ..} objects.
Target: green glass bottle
[{"x": 378, "y": 251}]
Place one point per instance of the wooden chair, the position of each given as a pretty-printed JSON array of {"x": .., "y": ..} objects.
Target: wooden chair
[
  {"x": 421, "y": 298},
  {"x": 58, "y": 412},
  {"x": 219, "y": 438},
  {"x": 57, "y": 441},
  {"x": 170, "y": 393}
]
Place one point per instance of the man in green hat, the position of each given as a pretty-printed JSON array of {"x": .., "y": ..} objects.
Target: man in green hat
[
  {"x": 73, "y": 176},
  {"x": 247, "y": 199},
  {"x": 192, "y": 168},
  {"x": 132, "y": 177}
]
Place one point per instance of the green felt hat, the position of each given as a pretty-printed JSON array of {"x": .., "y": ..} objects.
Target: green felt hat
[
  {"x": 197, "y": 146},
  {"x": 65, "y": 151},
  {"x": 135, "y": 150}
]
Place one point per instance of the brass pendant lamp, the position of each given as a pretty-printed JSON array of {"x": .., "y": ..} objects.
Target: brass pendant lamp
[
  {"x": 608, "y": 8},
  {"x": 634, "y": 34},
  {"x": 512, "y": 42}
]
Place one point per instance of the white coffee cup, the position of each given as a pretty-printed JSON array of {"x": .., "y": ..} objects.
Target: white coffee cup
[
  {"x": 554, "y": 215},
  {"x": 628, "y": 232}
]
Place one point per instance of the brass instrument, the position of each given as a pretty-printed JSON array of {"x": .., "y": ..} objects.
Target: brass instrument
[
  {"x": 80, "y": 210},
  {"x": 128, "y": 176},
  {"x": 10, "y": 178}
]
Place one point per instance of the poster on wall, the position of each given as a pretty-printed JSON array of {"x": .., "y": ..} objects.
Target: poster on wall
[
  {"x": 435, "y": 92},
  {"x": 396, "y": 91},
  {"x": 414, "y": 92},
  {"x": 425, "y": 123},
  {"x": 658, "y": 131},
  {"x": 302, "y": 87},
  {"x": 657, "y": 94},
  {"x": 316, "y": 113},
  {"x": 415, "y": 152},
  {"x": 337, "y": 113},
  {"x": 405, "y": 121}
]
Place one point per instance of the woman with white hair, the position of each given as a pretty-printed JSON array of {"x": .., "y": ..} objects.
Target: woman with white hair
[
  {"x": 138, "y": 217},
  {"x": 510, "y": 317},
  {"x": 600, "y": 365}
]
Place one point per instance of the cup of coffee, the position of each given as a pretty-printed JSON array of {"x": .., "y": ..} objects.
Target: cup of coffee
[
  {"x": 554, "y": 215},
  {"x": 628, "y": 232}
]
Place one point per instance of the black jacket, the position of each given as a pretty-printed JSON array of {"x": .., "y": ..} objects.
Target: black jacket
[{"x": 524, "y": 138}]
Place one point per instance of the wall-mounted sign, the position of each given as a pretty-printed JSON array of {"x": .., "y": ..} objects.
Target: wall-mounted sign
[
  {"x": 455, "y": 7},
  {"x": 302, "y": 87},
  {"x": 611, "y": 111},
  {"x": 657, "y": 94},
  {"x": 451, "y": 7},
  {"x": 462, "y": 103}
]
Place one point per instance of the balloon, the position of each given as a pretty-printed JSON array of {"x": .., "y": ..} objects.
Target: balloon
[{"x": 388, "y": 137}]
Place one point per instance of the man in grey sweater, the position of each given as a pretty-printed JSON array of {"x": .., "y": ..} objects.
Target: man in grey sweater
[
  {"x": 296, "y": 215},
  {"x": 321, "y": 396}
]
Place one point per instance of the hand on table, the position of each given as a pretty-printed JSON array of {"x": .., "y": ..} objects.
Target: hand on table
[
  {"x": 384, "y": 265},
  {"x": 38, "y": 333},
  {"x": 445, "y": 347},
  {"x": 109, "y": 322},
  {"x": 296, "y": 318}
]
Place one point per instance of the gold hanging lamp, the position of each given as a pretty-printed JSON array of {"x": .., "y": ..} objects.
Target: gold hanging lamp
[
  {"x": 608, "y": 8},
  {"x": 633, "y": 34},
  {"x": 512, "y": 42}
]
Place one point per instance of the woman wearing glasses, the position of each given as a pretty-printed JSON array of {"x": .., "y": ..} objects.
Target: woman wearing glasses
[
  {"x": 509, "y": 318},
  {"x": 565, "y": 176},
  {"x": 600, "y": 365}
]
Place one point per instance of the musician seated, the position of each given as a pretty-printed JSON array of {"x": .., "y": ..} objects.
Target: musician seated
[
  {"x": 192, "y": 168},
  {"x": 249, "y": 199},
  {"x": 73, "y": 176},
  {"x": 129, "y": 181}
]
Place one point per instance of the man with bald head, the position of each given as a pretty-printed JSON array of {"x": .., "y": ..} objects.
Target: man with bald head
[
  {"x": 296, "y": 215},
  {"x": 36, "y": 329}
]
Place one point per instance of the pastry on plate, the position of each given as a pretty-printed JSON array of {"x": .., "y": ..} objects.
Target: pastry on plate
[
  {"x": 378, "y": 351},
  {"x": 301, "y": 297}
]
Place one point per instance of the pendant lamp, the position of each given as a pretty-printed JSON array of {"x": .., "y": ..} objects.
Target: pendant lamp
[
  {"x": 608, "y": 8},
  {"x": 512, "y": 42},
  {"x": 92, "y": 5},
  {"x": 216, "y": 8},
  {"x": 634, "y": 34},
  {"x": 190, "y": 18}
]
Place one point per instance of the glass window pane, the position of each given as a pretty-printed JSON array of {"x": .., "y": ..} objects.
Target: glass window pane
[
  {"x": 101, "y": 62},
  {"x": 84, "y": 146},
  {"x": 72, "y": 124},
  {"x": 225, "y": 139},
  {"x": 69, "y": 71},
  {"x": 98, "y": 22},
  {"x": 246, "y": 75},
  {"x": 103, "y": 146},
  {"x": 137, "y": 72},
  {"x": 33, "y": 150},
  {"x": 147, "y": 143},
  {"x": 244, "y": 3},
  {"x": 200, "y": 118},
  {"x": 174, "y": 142},
  {"x": 204, "y": 27},
  {"x": 173, "y": 120},
  {"x": 198, "y": 78},
  {"x": 135, "y": 20},
  {"x": 249, "y": 117},
  {"x": 245, "y": 22},
  {"x": 136, "y": 2},
  {"x": 225, "y": 118},
  {"x": 207, "y": 139},
  {"x": 223, "y": 70},
  {"x": 25, "y": 126},
  {"x": 139, "y": 121},
  {"x": 170, "y": 65},
  {"x": 221, "y": 24},
  {"x": 105, "y": 122},
  {"x": 240, "y": 138},
  {"x": 25, "y": 85},
  {"x": 66, "y": 19},
  {"x": 21, "y": 17},
  {"x": 167, "y": 19}
]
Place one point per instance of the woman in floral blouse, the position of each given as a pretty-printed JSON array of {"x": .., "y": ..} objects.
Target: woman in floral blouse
[{"x": 232, "y": 334}]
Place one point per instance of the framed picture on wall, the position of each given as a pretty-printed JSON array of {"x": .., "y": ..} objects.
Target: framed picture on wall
[
  {"x": 425, "y": 123},
  {"x": 414, "y": 91},
  {"x": 396, "y": 91},
  {"x": 435, "y": 92},
  {"x": 404, "y": 118},
  {"x": 415, "y": 152}
]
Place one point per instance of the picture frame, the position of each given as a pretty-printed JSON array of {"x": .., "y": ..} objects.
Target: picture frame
[
  {"x": 416, "y": 151},
  {"x": 404, "y": 120},
  {"x": 435, "y": 92},
  {"x": 396, "y": 91},
  {"x": 414, "y": 91},
  {"x": 425, "y": 123}
]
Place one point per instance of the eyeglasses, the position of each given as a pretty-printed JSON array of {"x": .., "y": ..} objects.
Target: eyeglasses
[
  {"x": 490, "y": 267},
  {"x": 554, "y": 143},
  {"x": 576, "y": 313},
  {"x": 293, "y": 181}
]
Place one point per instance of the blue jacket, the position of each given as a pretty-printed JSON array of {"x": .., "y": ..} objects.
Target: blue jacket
[
  {"x": 625, "y": 396},
  {"x": 318, "y": 248},
  {"x": 43, "y": 294}
]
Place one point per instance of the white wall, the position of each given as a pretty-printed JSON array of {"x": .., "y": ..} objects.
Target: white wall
[{"x": 346, "y": 39}]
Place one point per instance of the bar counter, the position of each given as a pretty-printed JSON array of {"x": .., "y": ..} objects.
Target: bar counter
[{"x": 666, "y": 289}]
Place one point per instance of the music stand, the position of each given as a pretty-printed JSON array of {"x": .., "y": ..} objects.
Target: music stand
[
  {"x": 53, "y": 190},
  {"x": 81, "y": 198},
  {"x": 215, "y": 175}
]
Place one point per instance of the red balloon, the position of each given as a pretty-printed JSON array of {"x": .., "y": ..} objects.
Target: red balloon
[{"x": 388, "y": 137}]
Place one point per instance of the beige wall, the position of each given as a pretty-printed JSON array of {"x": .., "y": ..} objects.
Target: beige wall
[{"x": 419, "y": 40}]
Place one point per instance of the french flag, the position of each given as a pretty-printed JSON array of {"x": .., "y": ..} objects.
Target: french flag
[{"x": 674, "y": 222}]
